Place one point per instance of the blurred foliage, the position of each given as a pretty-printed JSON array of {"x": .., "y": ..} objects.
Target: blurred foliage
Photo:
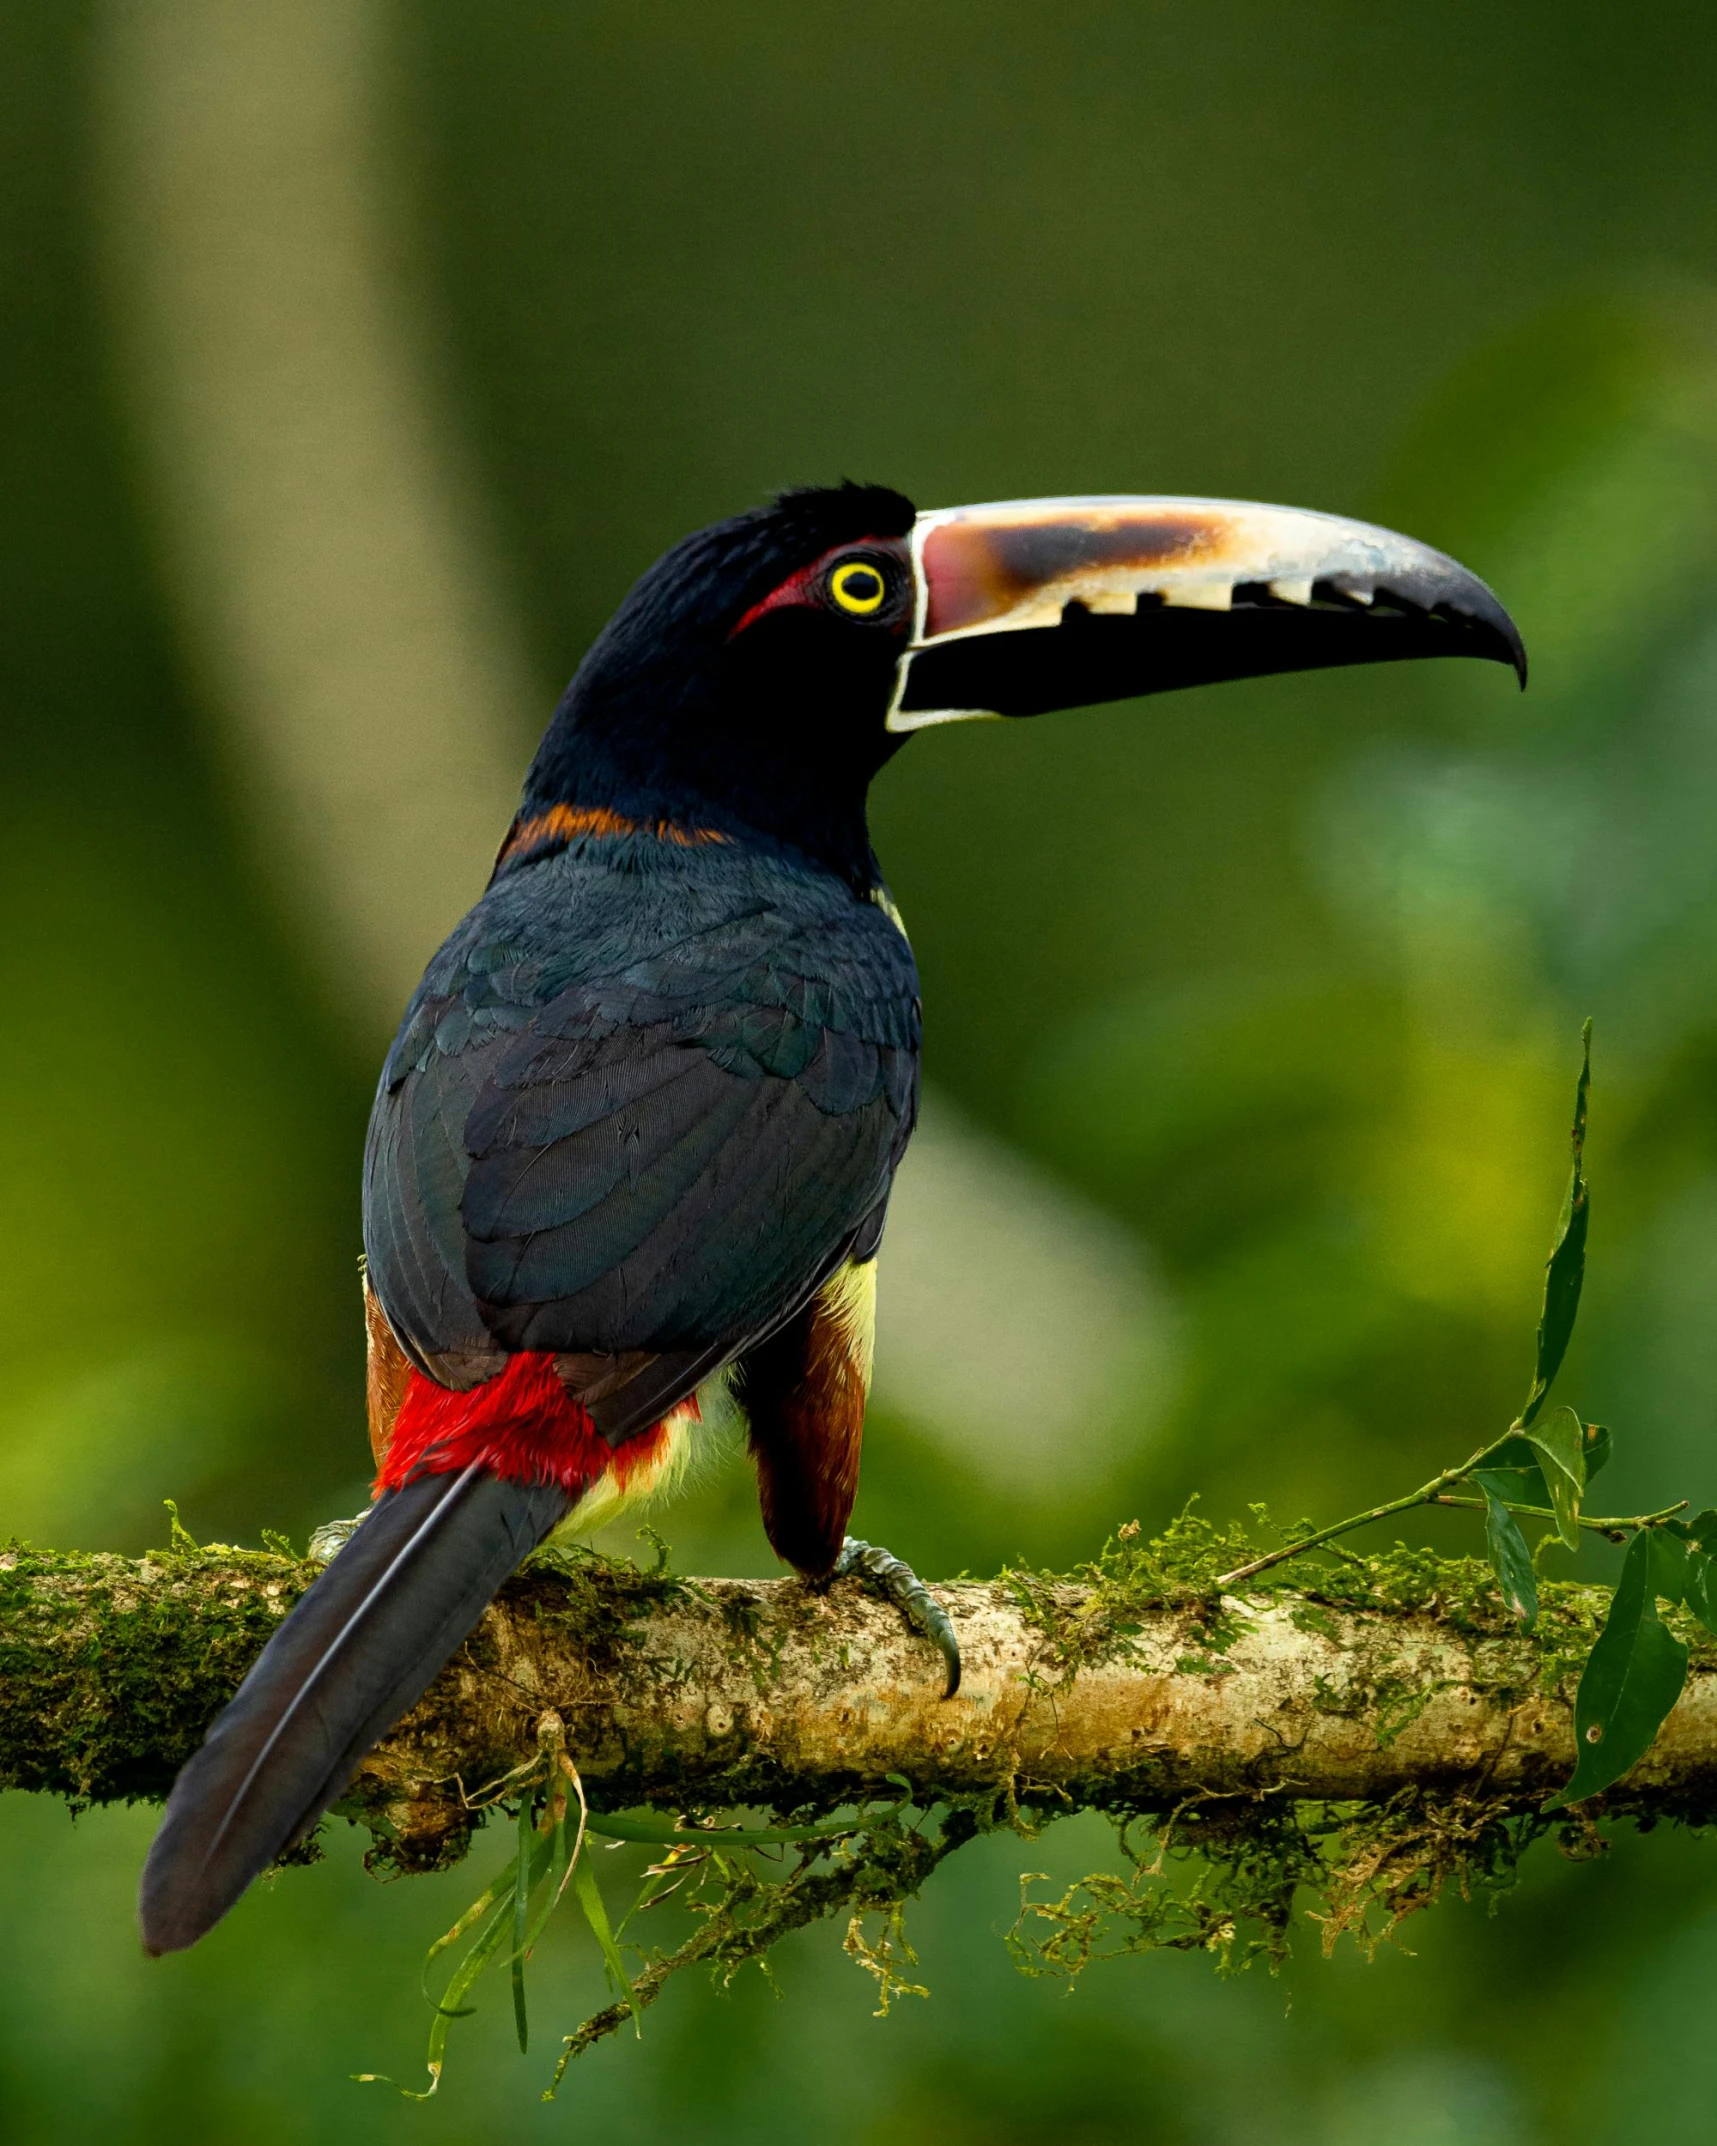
[
  {"x": 1342, "y": 1167},
  {"x": 1287, "y": 976},
  {"x": 175, "y": 1126}
]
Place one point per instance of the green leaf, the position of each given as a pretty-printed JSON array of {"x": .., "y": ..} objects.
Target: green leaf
[
  {"x": 1633, "y": 1675},
  {"x": 1666, "y": 1563},
  {"x": 590, "y": 1900},
  {"x": 1701, "y": 1597},
  {"x": 1513, "y": 1486},
  {"x": 1517, "y": 1454},
  {"x": 1514, "y": 1481},
  {"x": 1566, "y": 1270},
  {"x": 1560, "y": 1443},
  {"x": 1702, "y": 1531},
  {"x": 1511, "y": 1559}
]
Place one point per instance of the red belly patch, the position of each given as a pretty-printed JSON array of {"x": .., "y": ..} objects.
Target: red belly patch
[{"x": 522, "y": 1426}]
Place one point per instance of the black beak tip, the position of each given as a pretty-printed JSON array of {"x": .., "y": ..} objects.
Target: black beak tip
[
  {"x": 1434, "y": 584},
  {"x": 1509, "y": 648},
  {"x": 1496, "y": 634},
  {"x": 1513, "y": 648}
]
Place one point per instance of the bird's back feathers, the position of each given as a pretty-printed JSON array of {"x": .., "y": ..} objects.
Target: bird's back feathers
[{"x": 642, "y": 1102}]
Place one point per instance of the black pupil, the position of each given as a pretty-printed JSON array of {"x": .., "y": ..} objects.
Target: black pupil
[{"x": 861, "y": 584}]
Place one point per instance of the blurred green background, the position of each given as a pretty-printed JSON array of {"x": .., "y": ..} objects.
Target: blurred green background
[{"x": 356, "y": 360}]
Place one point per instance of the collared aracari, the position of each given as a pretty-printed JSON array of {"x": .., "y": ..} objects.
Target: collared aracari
[{"x": 640, "y": 1121}]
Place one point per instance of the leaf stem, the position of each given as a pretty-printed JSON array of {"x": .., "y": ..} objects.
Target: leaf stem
[
  {"x": 1424, "y": 1495},
  {"x": 1604, "y": 1526},
  {"x": 1435, "y": 1492}
]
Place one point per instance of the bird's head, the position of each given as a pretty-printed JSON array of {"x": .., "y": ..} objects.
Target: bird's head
[{"x": 763, "y": 670}]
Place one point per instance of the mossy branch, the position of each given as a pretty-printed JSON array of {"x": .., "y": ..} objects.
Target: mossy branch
[{"x": 1129, "y": 1687}]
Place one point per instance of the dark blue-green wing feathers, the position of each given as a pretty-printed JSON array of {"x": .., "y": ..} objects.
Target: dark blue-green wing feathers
[{"x": 661, "y": 1150}]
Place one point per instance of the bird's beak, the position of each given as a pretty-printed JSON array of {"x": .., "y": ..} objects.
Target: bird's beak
[{"x": 1035, "y": 604}]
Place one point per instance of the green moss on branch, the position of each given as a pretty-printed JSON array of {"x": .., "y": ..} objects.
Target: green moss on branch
[{"x": 1130, "y": 1687}]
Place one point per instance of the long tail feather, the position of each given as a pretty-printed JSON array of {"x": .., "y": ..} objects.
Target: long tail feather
[{"x": 356, "y": 1654}]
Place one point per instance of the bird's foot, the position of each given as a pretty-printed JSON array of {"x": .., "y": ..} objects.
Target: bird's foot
[
  {"x": 327, "y": 1541},
  {"x": 896, "y": 1581}
]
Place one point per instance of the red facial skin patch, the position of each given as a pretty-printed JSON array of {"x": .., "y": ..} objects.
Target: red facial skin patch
[{"x": 806, "y": 586}]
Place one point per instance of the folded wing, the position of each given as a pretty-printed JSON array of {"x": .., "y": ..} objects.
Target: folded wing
[{"x": 661, "y": 1157}]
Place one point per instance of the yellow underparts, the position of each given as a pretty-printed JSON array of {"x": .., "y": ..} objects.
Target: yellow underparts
[
  {"x": 848, "y": 1301},
  {"x": 635, "y": 1479}
]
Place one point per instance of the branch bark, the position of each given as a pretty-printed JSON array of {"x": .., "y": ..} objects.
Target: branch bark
[{"x": 711, "y": 1693}]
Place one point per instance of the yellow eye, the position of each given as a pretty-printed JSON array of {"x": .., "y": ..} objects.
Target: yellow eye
[{"x": 858, "y": 587}]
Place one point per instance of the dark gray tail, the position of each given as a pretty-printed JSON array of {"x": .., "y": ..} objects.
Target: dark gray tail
[{"x": 356, "y": 1654}]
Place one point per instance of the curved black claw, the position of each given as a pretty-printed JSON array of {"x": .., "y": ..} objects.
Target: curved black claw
[
  {"x": 896, "y": 1580},
  {"x": 327, "y": 1541}
]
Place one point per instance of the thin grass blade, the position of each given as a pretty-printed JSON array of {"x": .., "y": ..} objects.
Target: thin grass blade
[
  {"x": 556, "y": 1874},
  {"x": 521, "y": 1924},
  {"x": 472, "y": 1916},
  {"x": 590, "y": 1900},
  {"x": 449, "y": 2009}
]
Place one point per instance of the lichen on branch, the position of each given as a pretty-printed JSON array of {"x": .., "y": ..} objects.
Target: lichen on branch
[{"x": 1127, "y": 1686}]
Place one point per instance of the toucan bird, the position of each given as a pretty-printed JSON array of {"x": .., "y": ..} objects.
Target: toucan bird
[{"x": 640, "y": 1121}]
